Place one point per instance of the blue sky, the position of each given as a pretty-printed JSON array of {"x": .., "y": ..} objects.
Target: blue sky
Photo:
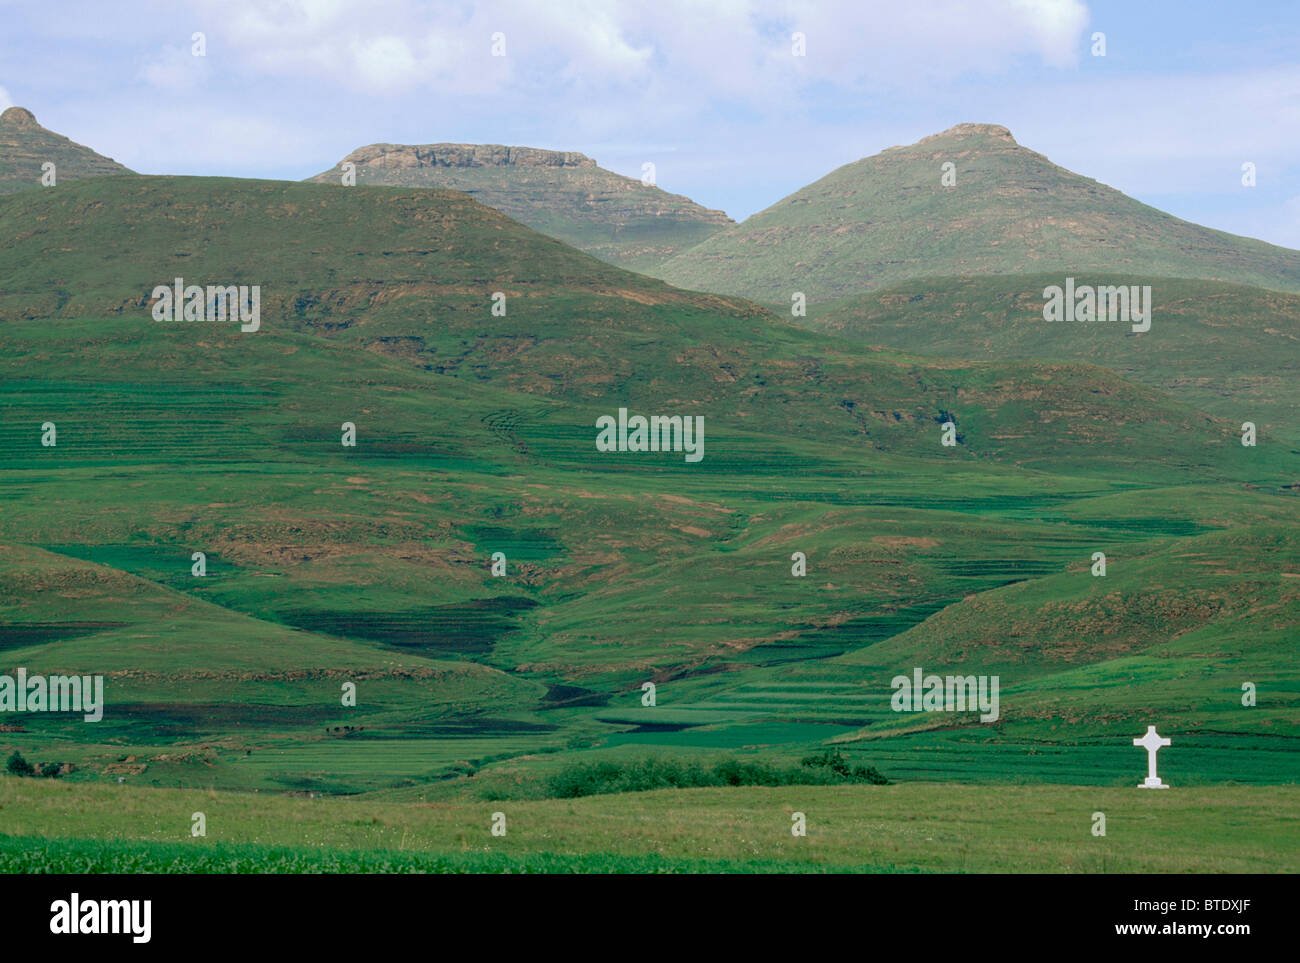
[{"x": 708, "y": 91}]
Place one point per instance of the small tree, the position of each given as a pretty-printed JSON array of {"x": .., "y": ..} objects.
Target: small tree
[{"x": 19, "y": 766}]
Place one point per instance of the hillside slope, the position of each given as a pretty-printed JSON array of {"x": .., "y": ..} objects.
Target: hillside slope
[
  {"x": 412, "y": 274},
  {"x": 1228, "y": 349},
  {"x": 888, "y": 218}
]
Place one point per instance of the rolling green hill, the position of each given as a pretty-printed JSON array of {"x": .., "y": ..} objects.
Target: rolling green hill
[
  {"x": 888, "y": 218},
  {"x": 25, "y": 146},
  {"x": 559, "y": 193}
]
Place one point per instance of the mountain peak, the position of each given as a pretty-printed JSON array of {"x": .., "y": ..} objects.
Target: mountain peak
[
  {"x": 19, "y": 117},
  {"x": 967, "y": 201},
  {"x": 26, "y": 147},
  {"x": 962, "y": 131}
]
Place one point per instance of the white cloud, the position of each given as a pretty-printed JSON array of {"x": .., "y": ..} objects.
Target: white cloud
[
  {"x": 1166, "y": 134},
  {"x": 660, "y": 47},
  {"x": 174, "y": 68},
  {"x": 1054, "y": 25},
  {"x": 5, "y": 101},
  {"x": 385, "y": 63}
]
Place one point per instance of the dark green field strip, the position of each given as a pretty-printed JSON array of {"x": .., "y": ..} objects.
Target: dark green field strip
[
  {"x": 1143, "y": 528},
  {"x": 523, "y": 544},
  {"x": 112, "y": 437},
  {"x": 26, "y": 855},
  {"x": 831, "y": 641},
  {"x": 467, "y": 630},
  {"x": 20, "y": 635}
]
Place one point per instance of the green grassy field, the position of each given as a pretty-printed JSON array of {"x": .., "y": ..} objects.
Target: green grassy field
[{"x": 918, "y": 827}]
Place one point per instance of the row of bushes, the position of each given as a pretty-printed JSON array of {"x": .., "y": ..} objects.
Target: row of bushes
[
  {"x": 828, "y": 768},
  {"x": 18, "y": 766}
]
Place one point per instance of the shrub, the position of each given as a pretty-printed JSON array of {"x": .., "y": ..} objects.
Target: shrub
[
  {"x": 592, "y": 779},
  {"x": 833, "y": 761},
  {"x": 19, "y": 766}
]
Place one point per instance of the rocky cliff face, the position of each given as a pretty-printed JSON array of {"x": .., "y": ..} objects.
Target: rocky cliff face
[
  {"x": 963, "y": 131},
  {"x": 411, "y": 157},
  {"x": 18, "y": 118},
  {"x": 25, "y": 146}
]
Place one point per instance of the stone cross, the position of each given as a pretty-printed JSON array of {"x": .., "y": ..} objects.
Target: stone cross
[{"x": 1152, "y": 742}]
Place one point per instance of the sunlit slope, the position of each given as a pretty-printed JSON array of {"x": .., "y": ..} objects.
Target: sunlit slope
[
  {"x": 1171, "y": 631},
  {"x": 888, "y": 218},
  {"x": 187, "y": 682},
  {"x": 227, "y": 444},
  {"x": 618, "y": 566}
]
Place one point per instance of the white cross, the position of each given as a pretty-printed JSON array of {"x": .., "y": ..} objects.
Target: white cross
[{"x": 1152, "y": 742}]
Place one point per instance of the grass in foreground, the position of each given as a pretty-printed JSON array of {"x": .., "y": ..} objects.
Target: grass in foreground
[
  {"x": 925, "y": 827},
  {"x": 85, "y": 856}
]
